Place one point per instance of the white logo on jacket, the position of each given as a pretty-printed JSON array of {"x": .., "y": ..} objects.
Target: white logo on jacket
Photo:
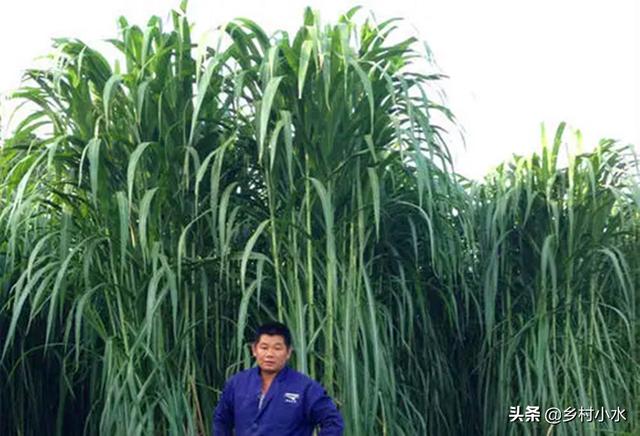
[{"x": 290, "y": 397}]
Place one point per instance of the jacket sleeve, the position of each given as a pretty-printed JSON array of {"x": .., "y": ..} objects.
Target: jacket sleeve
[
  {"x": 223, "y": 415},
  {"x": 323, "y": 412}
]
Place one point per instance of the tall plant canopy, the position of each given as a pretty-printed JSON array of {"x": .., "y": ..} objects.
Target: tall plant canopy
[{"x": 154, "y": 211}]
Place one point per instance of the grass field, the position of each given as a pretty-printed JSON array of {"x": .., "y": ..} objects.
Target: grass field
[{"x": 154, "y": 211}]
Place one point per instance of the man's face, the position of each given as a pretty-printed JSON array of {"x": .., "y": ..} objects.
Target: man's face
[{"x": 271, "y": 353}]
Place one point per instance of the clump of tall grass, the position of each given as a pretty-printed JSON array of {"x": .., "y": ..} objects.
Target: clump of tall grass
[
  {"x": 173, "y": 203},
  {"x": 559, "y": 287}
]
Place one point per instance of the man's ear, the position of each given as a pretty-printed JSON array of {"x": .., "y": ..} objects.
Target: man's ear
[{"x": 253, "y": 349}]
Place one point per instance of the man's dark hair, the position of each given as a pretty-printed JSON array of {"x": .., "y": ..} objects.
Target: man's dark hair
[{"x": 273, "y": 329}]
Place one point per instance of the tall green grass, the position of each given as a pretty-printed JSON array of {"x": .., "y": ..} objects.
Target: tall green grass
[
  {"x": 155, "y": 211},
  {"x": 560, "y": 286}
]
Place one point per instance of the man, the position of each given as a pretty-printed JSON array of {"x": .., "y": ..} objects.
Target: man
[{"x": 273, "y": 399}]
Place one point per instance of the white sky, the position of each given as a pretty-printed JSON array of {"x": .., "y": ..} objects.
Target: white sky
[{"x": 512, "y": 64}]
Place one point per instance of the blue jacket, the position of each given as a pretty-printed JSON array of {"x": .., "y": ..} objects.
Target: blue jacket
[{"x": 293, "y": 406}]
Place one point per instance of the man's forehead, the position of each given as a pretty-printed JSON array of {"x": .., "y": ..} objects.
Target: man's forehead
[{"x": 271, "y": 339}]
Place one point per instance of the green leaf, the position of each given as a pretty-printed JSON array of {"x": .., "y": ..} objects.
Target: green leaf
[
  {"x": 305, "y": 55},
  {"x": 265, "y": 110},
  {"x": 131, "y": 168},
  {"x": 108, "y": 93}
]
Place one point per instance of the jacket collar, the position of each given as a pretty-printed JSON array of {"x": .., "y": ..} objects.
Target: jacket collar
[{"x": 274, "y": 389}]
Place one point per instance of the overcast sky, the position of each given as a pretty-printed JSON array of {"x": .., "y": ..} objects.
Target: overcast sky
[{"x": 512, "y": 64}]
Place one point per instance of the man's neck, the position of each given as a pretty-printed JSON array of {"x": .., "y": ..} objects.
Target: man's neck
[
  {"x": 266, "y": 382},
  {"x": 267, "y": 379}
]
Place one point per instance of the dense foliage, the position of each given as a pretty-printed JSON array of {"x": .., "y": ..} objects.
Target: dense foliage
[{"x": 154, "y": 212}]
